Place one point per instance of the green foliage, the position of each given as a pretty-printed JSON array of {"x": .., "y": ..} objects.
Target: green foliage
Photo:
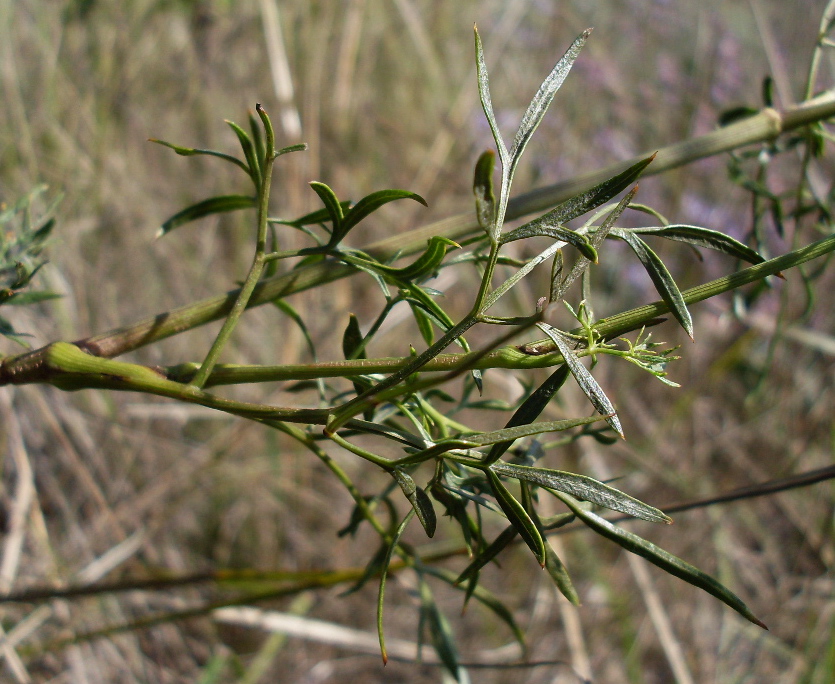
[
  {"x": 24, "y": 232},
  {"x": 480, "y": 478}
]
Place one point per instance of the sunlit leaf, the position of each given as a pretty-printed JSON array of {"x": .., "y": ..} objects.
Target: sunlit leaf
[
  {"x": 333, "y": 207},
  {"x": 486, "y": 103},
  {"x": 191, "y": 151},
  {"x": 663, "y": 559},
  {"x": 250, "y": 153},
  {"x": 369, "y": 204},
  {"x": 485, "y": 200},
  {"x": 701, "y": 237},
  {"x": 661, "y": 278},
  {"x": 518, "y": 517},
  {"x": 581, "y": 487},
  {"x": 213, "y": 205},
  {"x": 542, "y": 100},
  {"x": 587, "y": 383}
]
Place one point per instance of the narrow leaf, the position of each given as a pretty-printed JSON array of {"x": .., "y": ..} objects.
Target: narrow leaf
[
  {"x": 370, "y": 203},
  {"x": 596, "y": 196},
  {"x": 249, "y": 150},
  {"x": 704, "y": 237},
  {"x": 559, "y": 574},
  {"x": 587, "y": 383},
  {"x": 542, "y": 228},
  {"x": 383, "y": 574},
  {"x": 486, "y": 103},
  {"x": 332, "y": 206},
  {"x": 518, "y": 517},
  {"x": 191, "y": 151},
  {"x": 489, "y": 553},
  {"x": 213, "y": 205},
  {"x": 421, "y": 503},
  {"x": 25, "y": 298},
  {"x": 663, "y": 559},
  {"x": 313, "y": 218},
  {"x": 581, "y": 487},
  {"x": 439, "y": 631},
  {"x": 542, "y": 100},
  {"x": 485, "y": 200},
  {"x": 661, "y": 278}
]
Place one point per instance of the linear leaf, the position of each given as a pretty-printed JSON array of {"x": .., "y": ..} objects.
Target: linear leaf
[
  {"x": 370, "y": 203},
  {"x": 383, "y": 574},
  {"x": 530, "y": 409},
  {"x": 213, "y": 205},
  {"x": 421, "y": 503},
  {"x": 489, "y": 553},
  {"x": 191, "y": 151},
  {"x": 542, "y": 100},
  {"x": 485, "y": 597},
  {"x": 661, "y": 278},
  {"x": 25, "y": 298},
  {"x": 596, "y": 196},
  {"x": 518, "y": 517},
  {"x": 559, "y": 574},
  {"x": 250, "y": 153},
  {"x": 587, "y": 383},
  {"x": 485, "y": 200},
  {"x": 663, "y": 559},
  {"x": 333, "y": 207},
  {"x": 313, "y": 218},
  {"x": 542, "y": 228},
  {"x": 581, "y": 487},
  {"x": 704, "y": 237},
  {"x": 440, "y": 633},
  {"x": 486, "y": 103}
]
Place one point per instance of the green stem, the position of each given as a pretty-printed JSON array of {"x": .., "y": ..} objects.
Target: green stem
[{"x": 258, "y": 261}]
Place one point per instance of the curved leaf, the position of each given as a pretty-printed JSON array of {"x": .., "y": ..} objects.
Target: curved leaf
[
  {"x": 383, "y": 574},
  {"x": 582, "y": 487},
  {"x": 250, "y": 153},
  {"x": 663, "y": 559},
  {"x": 544, "y": 96},
  {"x": 421, "y": 503},
  {"x": 542, "y": 228},
  {"x": 661, "y": 278},
  {"x": 485, "y": 200},
  {"x": 191, "y": 151},
  {"x": 703, "y": 237},
  {"x": 518, "y": 517},
  {"x": 587, "y": 383},
  {"x": 213, "y": 205},
  {"x": 486, "y": 102},
  {"x": 370, "y": 203},
  {"x": 333, "y": 207}
]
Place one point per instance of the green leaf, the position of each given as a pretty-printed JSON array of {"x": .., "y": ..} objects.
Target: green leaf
[
  {"x": 313, "y": 218},
  {"x": 587, "y": 383},
  {"x": 421, "y": 503},
  {"x": 581, "y": 487},
  {"x": 703, "y": 237},
  {"x": 25, "y": 298},
  {"x": 424, "y": 324},
  {"x": 661, "y": 278},
  {"x": 257, "y": 138},
  {"x": 191, "y": 151},
  {"x": 424, "y": 266},
  {"x": 486, "y": 103},
  {"x": 352, "y": 339},
  {"x": 333, "y": 207},
  {"x": 485, "y": 200},
  {"x": 663, "y": 559},
  {"x": 498, "y": 545},
  {"x": 542, "y": 228},
  {"x": 530, "y": 409},
  {"x": 440, "y": 633},
  {"x": 213, "y": 205},
  {"x": 596, "y": 196},
  {"x": 382, "y": 592},
  {"x": 542, "y": 100},
  {"x": 250, "y": 153},
  {"x": 518, "y": 517},
  {"x": 370, "y": 203},
  {"x": 374, "y": 566},
  {"x": 559, "y": 574},
  {"x": 485, "y": 597}
]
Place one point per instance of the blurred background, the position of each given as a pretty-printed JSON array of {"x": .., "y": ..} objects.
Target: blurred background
[{"x": 384, "y": 93}]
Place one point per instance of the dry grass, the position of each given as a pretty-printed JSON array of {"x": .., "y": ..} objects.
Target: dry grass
[{"x": 106, "y": 486}]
